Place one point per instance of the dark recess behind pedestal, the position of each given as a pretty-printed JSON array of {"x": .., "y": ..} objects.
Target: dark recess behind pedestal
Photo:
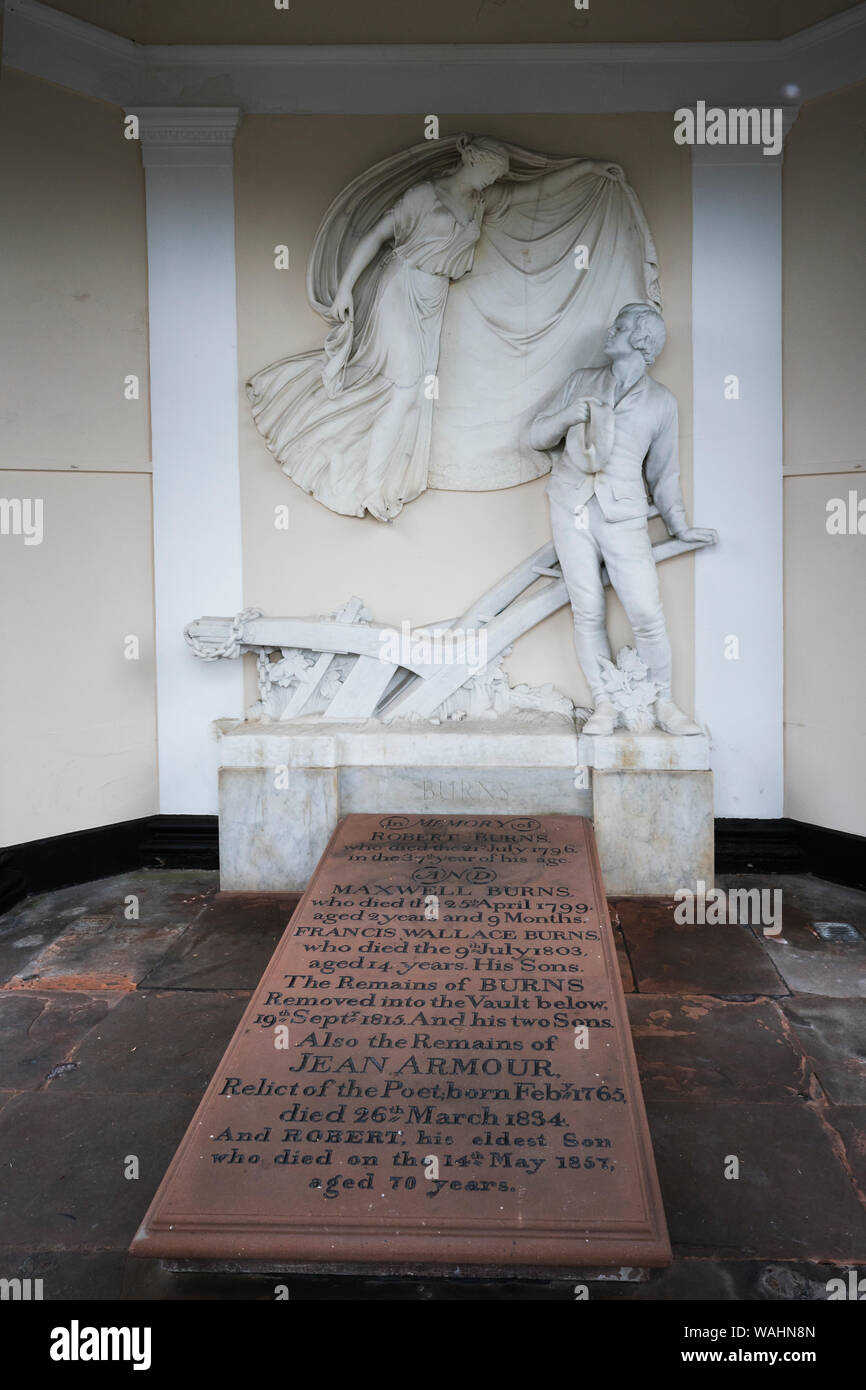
[{"x": 192, "y": 842}]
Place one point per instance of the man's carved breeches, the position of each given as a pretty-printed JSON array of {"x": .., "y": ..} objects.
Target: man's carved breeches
[{"x": 624, "y": 548}]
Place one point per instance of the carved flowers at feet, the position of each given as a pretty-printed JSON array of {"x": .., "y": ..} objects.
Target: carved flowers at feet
[{"x": 626, "y": 684}]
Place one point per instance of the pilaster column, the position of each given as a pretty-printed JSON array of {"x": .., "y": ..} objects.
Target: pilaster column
[
  {"x": 737, "y": 360},
  {"x": 187, "y": 155}
]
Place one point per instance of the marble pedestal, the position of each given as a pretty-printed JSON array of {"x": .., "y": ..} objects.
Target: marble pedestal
[
  {"x": 284, "y": 787},
  {"x": 652, "y": 807}
]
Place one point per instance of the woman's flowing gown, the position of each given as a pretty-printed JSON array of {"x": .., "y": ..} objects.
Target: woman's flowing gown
[
  {"x": 353, "y": 424},
  {"x": 324, "y": 419}
]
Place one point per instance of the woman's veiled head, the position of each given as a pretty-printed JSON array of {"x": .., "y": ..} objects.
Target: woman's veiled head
[{"x": 485, "y": 160}]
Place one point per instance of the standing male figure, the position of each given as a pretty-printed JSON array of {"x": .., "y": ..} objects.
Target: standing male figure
[{"x": 607, "y": 425}]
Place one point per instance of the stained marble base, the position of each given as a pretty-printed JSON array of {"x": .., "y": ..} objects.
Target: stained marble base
[
  {"x": 650, "y": 752},
  {"x": 274, "y": 824},
  {"x": 655, "y": 830},
  {"x": 284, "y": 787}
]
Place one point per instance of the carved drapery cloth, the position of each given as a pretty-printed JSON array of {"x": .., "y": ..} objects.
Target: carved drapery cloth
[{"x": 505, "y": 316}]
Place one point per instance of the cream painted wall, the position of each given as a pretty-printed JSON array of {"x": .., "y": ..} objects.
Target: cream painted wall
[
  {"x": 824, "y": 216},
  {"x": 825, "y": 666},
  {"x": 446, "y": 547},
  {"x": 825, "y": 457},
  {"x": 72, "y": 281},
  {"x": 78, "y": 719},
  {"x": 77, "y": 716}
]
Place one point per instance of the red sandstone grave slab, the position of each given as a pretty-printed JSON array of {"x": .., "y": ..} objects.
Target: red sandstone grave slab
[{"x": 414, "y": 1090}]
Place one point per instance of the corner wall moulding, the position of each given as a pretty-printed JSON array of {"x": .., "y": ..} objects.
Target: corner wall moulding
[
  {"x": 382, "y": 78},
  {"x": 177, "y": 135},
  {"x": 193, "y": 125}
]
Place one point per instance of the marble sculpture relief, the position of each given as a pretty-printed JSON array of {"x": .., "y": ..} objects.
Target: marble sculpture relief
[
  {"x": 453, "y": 278},
  {"x": 463, "y": 281}
]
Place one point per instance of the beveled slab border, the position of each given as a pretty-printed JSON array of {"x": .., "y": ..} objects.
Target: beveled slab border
[{"x": 174, "y": 1235}]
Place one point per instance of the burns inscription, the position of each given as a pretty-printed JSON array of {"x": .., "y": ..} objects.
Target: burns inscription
[{"x": 436, "y": 1068}]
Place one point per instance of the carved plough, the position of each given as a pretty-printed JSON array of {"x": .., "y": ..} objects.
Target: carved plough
[{"x": 342, "y": 666}]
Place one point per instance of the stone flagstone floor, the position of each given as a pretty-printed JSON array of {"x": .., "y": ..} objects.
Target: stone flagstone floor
[{"x": 112, "y": 1025}]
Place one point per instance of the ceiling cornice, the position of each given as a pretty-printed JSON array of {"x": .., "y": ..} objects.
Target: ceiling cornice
[{"x": 440, "y": 78}]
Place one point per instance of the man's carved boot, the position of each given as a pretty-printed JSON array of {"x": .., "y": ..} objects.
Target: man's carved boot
[
  {"x": 602, "y": 720},
  {"x": 672, "y": 719}
]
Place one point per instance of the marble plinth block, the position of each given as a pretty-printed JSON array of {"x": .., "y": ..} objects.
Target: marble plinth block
[
  {"x": 652, "y": 808},
  {"x": 283, "y": 787}
]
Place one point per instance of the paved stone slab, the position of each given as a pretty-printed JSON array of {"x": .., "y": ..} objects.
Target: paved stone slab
[
  {"x": 738, "y": 1280},
  {"x": 440, "y": 1090},
  {"x": 699, "y": 1280},
  {"x": 181, "y": 892},
  {"x": 156, "y": 1042},
  {"x": 832, "y": 1033},
  {"x": 97, "y": 953},
  {"x": 229, "y": 945},
  {"x": 71, "y": 1275},
  {"x": 20, "y": 941},
  {"x": 68, "y": 1275},
  {"x": 701, "y": 1048},
  {"x": 816, "y": 898},
  {"x": 849, "y": 1122},
  {"x": 63, "y": 1157},
  {"x": 669, "y": 958},
  {"x": 39, "y": 1032},
  {"x": 794, "y": 1281},
  {"x": 687, "y": 1280},
  {"x": 165, "y": 897},
  {"x": 792, "y": 1200},
  {"x": 810, "y": 965},
  {"x": 807, "y": 972}
]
